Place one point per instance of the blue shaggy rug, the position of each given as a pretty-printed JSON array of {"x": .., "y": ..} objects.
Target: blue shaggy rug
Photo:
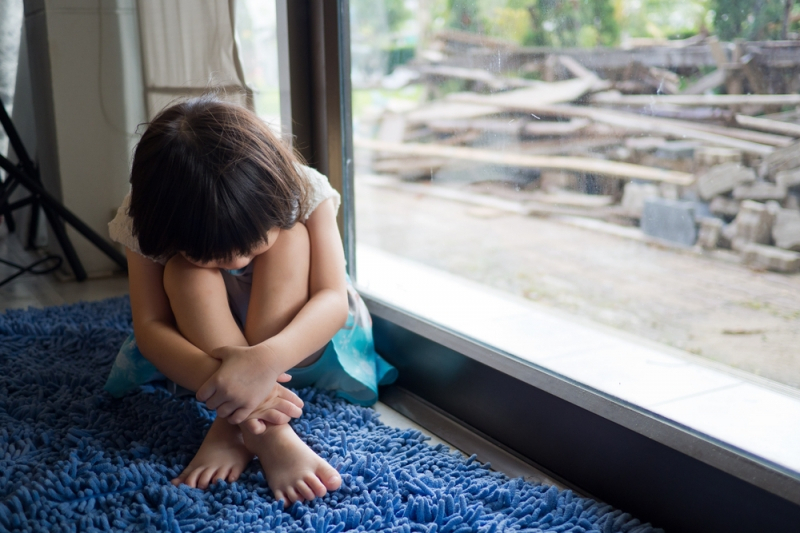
[{"x": 74, "y": 459}]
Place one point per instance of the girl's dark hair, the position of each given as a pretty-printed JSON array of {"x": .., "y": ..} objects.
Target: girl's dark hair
[{"x": 209, "y": 179}]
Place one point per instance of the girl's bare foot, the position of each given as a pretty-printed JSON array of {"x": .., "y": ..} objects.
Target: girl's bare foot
[
  {"x": 222, "y": 455},
  {"x": 293, "y": 471}
]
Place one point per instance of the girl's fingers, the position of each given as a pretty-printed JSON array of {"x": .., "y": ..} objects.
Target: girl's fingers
[
  {"x": 276, "y": 418},
  {"x": 231, "y": 411},
  {"x": 286, "y": 394},
  {"x": 238, "y": 415},
  {"x": 217, "y": 400},
  {"x": 254, "y": 426},
  {"x": 206, "y": 391},
  {"x": 283, "y": 378},
  {"x": 288, "y": 408}
]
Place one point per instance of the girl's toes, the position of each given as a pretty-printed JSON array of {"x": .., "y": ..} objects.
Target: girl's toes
[
  {"x": 316, "y": 486},
  {"x": 234, "y": 475},
  {"x": 329, "y": 477},
  {"x": 279, "y": 495},
  {"x": 221, "y": 475},
  {"x": 206, "y": 478},
  {"x": 292, "y": 496},
  {"x": 191, "y": 478},
  {"x": 304, "y": 491}
]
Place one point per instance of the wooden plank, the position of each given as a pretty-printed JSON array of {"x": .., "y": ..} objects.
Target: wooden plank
[
  {"x": 698, "y": 100},
  {"x": 765, "y": 124},
  {"x": 409, "y": 165},
  {"x": 633, "y": 122},
  {"x": 706, "y": 83},
  {"x": 449, "y": 110},
  {"x": 543, "y": 128},
  {"x": 575, "y": 164},
  {"x": 524, "y": 208},
  {"x": 600, "y": 58},
  {"x": 769, "y": 139},
  {"x": 493, "y": 125},
  {"x": 543, "y": 94},
  {"x": 508, "y": 127},
  {"x": 474, "y": 75},
  {"x": 579, "y": 71}
]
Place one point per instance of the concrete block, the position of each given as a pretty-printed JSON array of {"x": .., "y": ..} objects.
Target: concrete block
[
  {"x": 722, "y": 179},
  {"x": 724, "y": 207},
  {"x": 770, "y": 258},
  {"x": 788, "y": 178},
  {"x": 786, "y": 229},
  {"x": 670, "y": 220},
  {"x": 786, "y": 158},
  {"x": 761, "y": 191},
  {"x": 726, "y": 236},
  {"x": 709, "y": 232},
  {"x": 634, "y": 195},
  {"x": 754, "y": 223}
]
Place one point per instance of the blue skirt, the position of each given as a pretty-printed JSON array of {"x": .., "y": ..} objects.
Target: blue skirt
[{"x": 349, "y": 365}]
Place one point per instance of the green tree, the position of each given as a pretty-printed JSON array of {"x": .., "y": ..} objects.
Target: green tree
[
  {"x": 748, "y": 19},
  {"x": 465, "y": 15},
  {"x": 584, "y": 23}
]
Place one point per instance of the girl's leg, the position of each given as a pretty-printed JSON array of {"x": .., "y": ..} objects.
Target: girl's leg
[
  {"x": 200, "y": 305},
  {"x": 280, "y": 289}
]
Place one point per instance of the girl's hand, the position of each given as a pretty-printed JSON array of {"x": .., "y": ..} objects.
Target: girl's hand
[
  {"x": 243, "y": 382},
  {"x": 280, "y": 408}
]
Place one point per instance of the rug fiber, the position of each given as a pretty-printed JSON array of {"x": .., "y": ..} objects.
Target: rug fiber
[{"x": 74, "y": 459}]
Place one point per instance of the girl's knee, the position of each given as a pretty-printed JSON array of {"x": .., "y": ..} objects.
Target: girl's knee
[
  {"x": 297, "y": 237},
  {"x": 292, "y": 246},
  {"x": 180, "y": 276}
]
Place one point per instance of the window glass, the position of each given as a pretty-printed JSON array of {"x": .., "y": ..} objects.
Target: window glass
[
  {"x": 257, "y": 41},
  {"x": 625, "y": 165}
]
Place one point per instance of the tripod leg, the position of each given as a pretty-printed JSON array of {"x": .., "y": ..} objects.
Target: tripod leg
[
  {"x": 33, "y": 225},
  {"x": 9, "y": 218},
  {"x": 66, "y": 245},
  {"x": 55, "y": 209}
]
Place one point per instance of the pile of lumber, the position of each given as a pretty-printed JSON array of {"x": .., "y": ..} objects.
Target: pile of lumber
[{"x": 710, "y": 160}]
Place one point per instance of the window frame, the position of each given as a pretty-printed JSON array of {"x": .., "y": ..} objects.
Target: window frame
[{"x": 607, "y": 448}]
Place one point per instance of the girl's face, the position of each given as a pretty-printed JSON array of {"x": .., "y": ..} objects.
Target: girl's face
[{"x": 240, "y": 261}]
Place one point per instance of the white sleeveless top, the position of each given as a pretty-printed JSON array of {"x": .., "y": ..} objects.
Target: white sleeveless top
[{"x": 121, "y": 228}]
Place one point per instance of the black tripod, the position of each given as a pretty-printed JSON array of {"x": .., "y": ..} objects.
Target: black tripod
[{"x": 26, "y": 174}]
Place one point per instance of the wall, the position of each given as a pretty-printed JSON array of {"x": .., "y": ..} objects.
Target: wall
[{"x": 84, "y": 57}]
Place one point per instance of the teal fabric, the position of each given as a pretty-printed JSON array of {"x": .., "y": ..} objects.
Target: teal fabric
[
  {"x": 130, "y": 370},
  {"x": 349, "y": 366}
]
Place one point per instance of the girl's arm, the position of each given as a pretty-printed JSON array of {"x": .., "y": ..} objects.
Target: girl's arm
[
  {"x": 326, "y": 311},
  {"x": 158, "y": 338},
  {"x": 157, "y": 334},
  {"x": 312, "y": 327}
]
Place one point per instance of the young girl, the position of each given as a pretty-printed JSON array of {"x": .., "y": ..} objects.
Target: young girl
[{"x": 237, "y": 276}]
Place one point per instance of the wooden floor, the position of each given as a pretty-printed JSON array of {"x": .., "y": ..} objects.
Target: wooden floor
[{"x": 31, "y": 290}]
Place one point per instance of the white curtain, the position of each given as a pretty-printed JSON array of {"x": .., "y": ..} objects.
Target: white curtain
[{"x": 188, "y": 48}]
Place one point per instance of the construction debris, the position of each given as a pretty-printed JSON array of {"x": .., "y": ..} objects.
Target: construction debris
[
  {"x": 709, "y": 233},
  {"x": 722, "y": 179},
  {"x": 670, "y": 220},
  {"x": 763, "y": 257},
  {"x": 629, "y": 136},
  {"x": 786, "y": 229},
  {"x": 754, "y": 223}
]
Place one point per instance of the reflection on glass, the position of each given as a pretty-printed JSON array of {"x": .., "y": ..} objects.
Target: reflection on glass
[{"x": 633, "y": 162}]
